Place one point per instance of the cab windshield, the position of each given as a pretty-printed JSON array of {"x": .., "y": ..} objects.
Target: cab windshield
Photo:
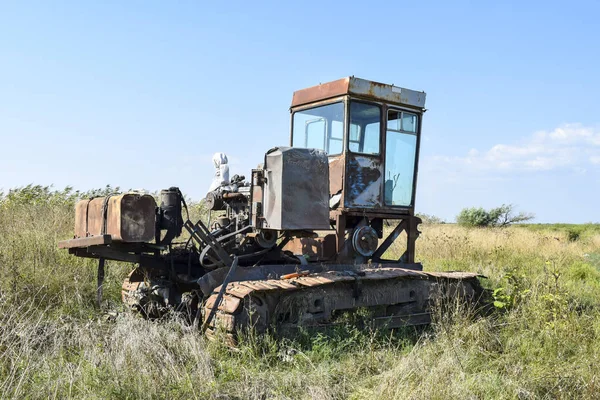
[{"x": 320, "y": 128}]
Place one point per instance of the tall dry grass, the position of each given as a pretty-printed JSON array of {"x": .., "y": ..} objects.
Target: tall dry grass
[{"x": 542, "y": 342}]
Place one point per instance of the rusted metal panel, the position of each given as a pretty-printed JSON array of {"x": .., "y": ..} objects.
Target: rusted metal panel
[
  {"x": 336, "y": 173},
  {"x": 387, "y": 93},
  {"x": 88, "y": 217},
  {"x": 320, "y": 248},
  {"x": 81, "y": 218},
  {"x": 363, "y": 88},
  {"x": 128, "y": 217},
  {"x": 340, "y": 231},
  {"x": 296, "y": 190},
  {"x": 320, "y": 92},
  {"x": 391, "y": 213},
  {"x": 363, "y": 181}
]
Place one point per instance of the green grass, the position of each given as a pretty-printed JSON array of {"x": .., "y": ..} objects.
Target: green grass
[
  {"x": 574, "y": 231},
  {"x": 542, "y": 343}
]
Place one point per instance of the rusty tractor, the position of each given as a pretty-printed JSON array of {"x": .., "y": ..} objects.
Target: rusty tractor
[{"x": 322, "y": 227}]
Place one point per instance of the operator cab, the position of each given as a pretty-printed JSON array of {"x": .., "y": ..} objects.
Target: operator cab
[{"x": 371, "y": 134}]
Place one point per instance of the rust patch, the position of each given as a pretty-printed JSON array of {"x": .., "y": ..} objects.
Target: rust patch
[
  {"x": 238, "y": 290},
  {"x": 128, "y": 287},
  {"x": 360, "y": 87},
  {"x": 229, "y": 304},
  {"x": 130, "y": 217},
  {"x": 225, "y": 321},
  {"x": 336, "y": 174},
  {"x": 320, "y": 92},
  {"x": 320, "y": 248}
]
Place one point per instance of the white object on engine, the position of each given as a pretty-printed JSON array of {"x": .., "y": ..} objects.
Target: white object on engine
[{"x": 221, "y": 177}]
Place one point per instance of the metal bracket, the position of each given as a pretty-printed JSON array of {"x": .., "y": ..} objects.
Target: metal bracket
[{"x": 389, "y": 240}]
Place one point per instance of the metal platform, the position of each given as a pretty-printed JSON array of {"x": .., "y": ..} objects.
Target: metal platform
[{"x": 85, "y": 242}]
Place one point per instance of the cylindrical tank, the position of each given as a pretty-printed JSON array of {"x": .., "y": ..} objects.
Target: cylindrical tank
[
  {"x": 170, "y": 206},
  {"x": 127, "y": 217}
]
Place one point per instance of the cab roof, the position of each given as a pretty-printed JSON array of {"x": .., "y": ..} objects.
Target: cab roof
[{"x": 361, "y": 88}]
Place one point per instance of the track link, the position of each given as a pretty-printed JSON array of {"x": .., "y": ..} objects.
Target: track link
[{"x": 398, "y": 297}]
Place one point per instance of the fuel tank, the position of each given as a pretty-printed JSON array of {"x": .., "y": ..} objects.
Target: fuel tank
[{"x": 127, "y": 217}]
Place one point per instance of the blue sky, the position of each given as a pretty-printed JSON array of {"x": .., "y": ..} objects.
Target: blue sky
[{"x": 140, "y": 94}]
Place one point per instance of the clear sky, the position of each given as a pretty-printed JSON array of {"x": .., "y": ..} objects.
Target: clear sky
[{"x": 140, "y": 94}]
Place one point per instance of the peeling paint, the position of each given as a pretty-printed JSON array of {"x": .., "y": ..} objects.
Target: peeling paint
[{"x": 364, "y": 185}]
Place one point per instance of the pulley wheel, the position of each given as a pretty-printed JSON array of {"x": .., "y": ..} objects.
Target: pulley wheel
[{"x": 365, "y": 241}]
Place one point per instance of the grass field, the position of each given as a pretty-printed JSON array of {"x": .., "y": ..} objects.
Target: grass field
[{"x": 541, "y": 343}]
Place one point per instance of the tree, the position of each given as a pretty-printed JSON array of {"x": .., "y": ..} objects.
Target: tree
[
  {"x": 500, "y": 216},
  {"x": 506, "y": 215}
]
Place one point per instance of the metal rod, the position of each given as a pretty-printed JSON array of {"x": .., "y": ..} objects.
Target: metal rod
[
  {"x": 100, "y": 281},
  {"x": 202, "y": 235},
  {"x": 220, "y": 295}
]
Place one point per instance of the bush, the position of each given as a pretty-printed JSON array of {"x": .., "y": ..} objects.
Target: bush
[
  {"x": 430, "y": 219},
  {"x": 500, "y": 216}
]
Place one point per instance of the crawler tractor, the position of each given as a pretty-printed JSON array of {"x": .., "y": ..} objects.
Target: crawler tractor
[{"x": 322, "y": 227}]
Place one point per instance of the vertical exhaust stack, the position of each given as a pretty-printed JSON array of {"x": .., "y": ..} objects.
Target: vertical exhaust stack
[{"x": 169, "y": 215}]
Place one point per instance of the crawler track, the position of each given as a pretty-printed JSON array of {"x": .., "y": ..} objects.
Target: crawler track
[{"x": 396, "y": 296}]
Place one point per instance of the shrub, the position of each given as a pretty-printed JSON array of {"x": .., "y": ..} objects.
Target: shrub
[
  {"x": 573, "y": 234},
  {"x": 430, "y": 219},
  {"x": 500, "y": 216}
]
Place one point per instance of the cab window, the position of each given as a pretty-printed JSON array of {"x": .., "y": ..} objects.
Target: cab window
[
  {"x": 364, "y": 128},
  {"x": 400, "y": 157},
  {"x": 320, "y": 128}
]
